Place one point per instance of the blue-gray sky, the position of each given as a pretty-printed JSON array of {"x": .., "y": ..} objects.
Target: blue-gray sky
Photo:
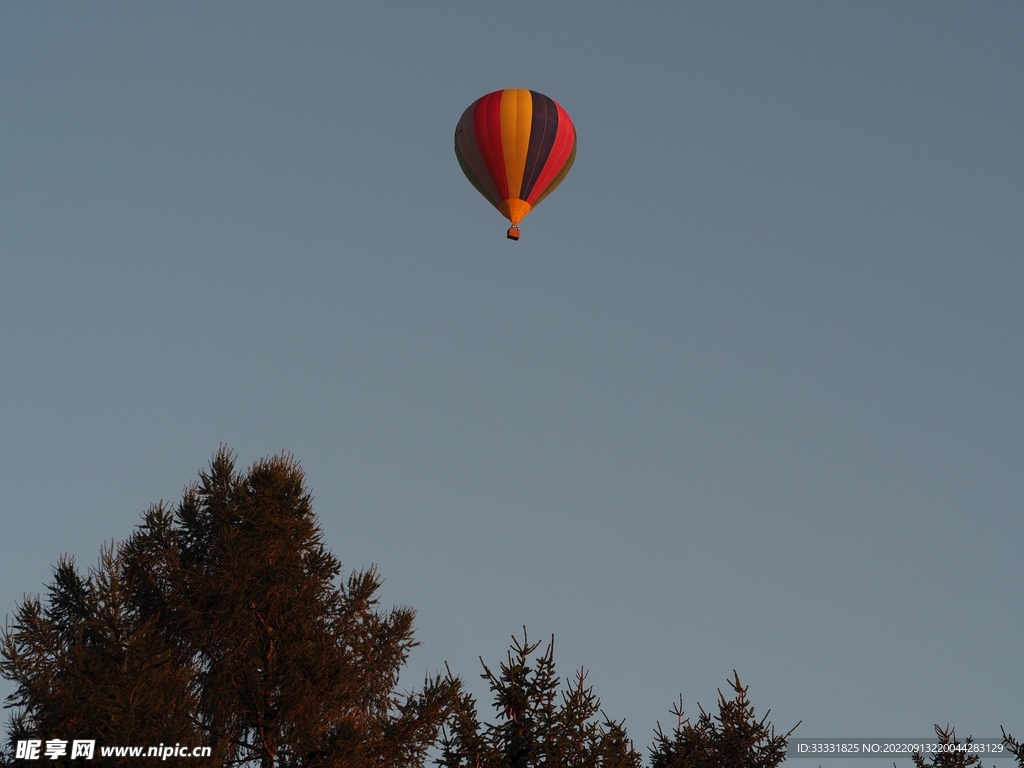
[{"x": 748, "y": 394}]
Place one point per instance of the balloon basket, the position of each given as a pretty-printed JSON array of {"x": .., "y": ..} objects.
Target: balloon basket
[{"x": 513, "y": 233}]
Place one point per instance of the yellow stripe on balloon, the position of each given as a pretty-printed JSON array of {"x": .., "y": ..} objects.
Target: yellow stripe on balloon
[{"x": 516, "y": 123}]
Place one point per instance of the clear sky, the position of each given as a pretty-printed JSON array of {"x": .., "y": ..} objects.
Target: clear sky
[{"x": 748, "y": 393}]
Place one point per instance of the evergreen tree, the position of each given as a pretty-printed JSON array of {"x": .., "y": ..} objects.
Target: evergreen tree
[
  {"x": 734, "y": 738},
  {"x": 1014, "y": 747},
  {"x": 536, "y": 725},
  {"x": 948, "y": 758},
  {"x": 88, "y": 666},
  {"x": 233, "y": 602}
]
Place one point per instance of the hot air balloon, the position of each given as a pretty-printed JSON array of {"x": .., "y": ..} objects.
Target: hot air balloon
[{"x": 515, "y": 146}]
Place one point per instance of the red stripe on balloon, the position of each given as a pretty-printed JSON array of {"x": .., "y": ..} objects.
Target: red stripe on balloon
[
  {"x": 487, "y": 127},
  {"x": 468, "y": 152},
  {"x": 560, "y": 152}
]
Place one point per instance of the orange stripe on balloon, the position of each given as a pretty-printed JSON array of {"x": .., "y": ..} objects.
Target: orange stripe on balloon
[{"x": 516, "y": 121}]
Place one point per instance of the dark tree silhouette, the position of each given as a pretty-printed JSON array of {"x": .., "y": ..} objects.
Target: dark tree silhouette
[
  {"x": 537, "y": 725},
  {"x": 225, "y": 622},
  {"x": 734, "y": 738},
  {"x": 1015, "y": 747},
  {"x": 88, "y": 666},
  {"x": 950, "y": 757}
]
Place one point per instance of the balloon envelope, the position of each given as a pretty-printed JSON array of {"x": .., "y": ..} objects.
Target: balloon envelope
[{"x": 515, "y": 146}]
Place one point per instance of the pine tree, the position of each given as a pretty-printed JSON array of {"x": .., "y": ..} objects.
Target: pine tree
[
  {"x": 734, "y": 738},
  {"x": 88, "y": 666},
  {"x": 1014, "y": 747},
  {"x": 537, "y": 726},
  {"x": 951, "y": 756},
  {"x": 231, "y": 604}
]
